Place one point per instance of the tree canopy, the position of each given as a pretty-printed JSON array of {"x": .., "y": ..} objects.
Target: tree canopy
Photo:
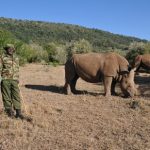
[{"x": 36, "y": 40}]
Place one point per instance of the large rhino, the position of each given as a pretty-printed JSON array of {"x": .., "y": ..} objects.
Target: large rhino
[
  {"x": 96, "y": 67},
  {"x": 142, "y": 61}
]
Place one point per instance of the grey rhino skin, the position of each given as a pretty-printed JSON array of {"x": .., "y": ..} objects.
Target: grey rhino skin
[
  {"x": 96, "y": 67},
  {"x": 142, "y": 61}
]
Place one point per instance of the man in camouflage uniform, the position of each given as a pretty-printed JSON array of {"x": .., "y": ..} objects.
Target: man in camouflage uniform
[{"x": 9, "y": 71}]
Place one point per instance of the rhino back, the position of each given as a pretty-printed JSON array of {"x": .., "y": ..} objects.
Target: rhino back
[
  {"x": 114, "y": 64},
  {"x": 92, "y": 67},
  {"x": 137, "y": 61},
  {"x": 146, "y": 60},
  {"x": 88, "y": 66},
  {"x": 123, "y": 63}
]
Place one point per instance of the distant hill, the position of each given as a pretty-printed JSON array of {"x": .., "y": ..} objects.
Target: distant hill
[{"x": 45, "y": 32}]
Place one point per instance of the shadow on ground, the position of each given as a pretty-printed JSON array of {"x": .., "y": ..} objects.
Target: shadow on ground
[
  {"x": 58, "y": 89},
  {"x": 50, "y": 88},
  {"x": 144, "y": 85}
]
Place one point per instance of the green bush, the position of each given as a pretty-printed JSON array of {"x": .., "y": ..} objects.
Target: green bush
[
  {"x": 147, "y": 48},
  {"x": 5, "y": 37},
  {"x": 78, "y": 47},
  {"x": 31, "y": 53},
  {"x": 135, "y": 48},
  {"x": 130, "y": 56},
  {"x": 54, "y": 63},
  {"x": 51, "y": 51}
]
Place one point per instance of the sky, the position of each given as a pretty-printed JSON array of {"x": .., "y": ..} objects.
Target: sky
[{"x": 125, "y": 17}]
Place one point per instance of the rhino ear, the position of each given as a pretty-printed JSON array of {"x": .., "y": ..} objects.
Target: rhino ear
[
  {"x": 132, "y": 73},
  {"x": 129, "y": 68},
  {"x": 125, "y": 70}
]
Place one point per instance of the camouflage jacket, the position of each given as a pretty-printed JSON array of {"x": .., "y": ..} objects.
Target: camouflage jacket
[{"x": 9, "y": 66}]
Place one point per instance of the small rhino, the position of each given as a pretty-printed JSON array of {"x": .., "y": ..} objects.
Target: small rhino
[{"x": 141, "y": 61}]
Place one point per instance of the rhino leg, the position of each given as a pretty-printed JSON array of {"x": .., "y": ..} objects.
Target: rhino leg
[
  {"x": 107, "y": 86},
  {"x": 70, "y": 84},
  {"x": 69, "y": 75},
  {"x": 113, "y": 85},
  {"x": 138, "y": 68},
  {"x": 67, "y": 89},
  {"x": 73, "y": 84}
]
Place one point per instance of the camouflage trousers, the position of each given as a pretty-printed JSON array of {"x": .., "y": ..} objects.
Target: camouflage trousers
[{"x": 10, "y": 94}]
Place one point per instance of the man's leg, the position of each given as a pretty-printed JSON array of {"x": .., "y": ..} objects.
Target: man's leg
[
  {"x": 15, "y": 92},
  {"x": 107, "y": 86},
  {"x": 6, "y": 97}
]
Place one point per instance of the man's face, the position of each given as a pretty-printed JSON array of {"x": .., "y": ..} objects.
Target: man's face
[{"x": 10, "y": 51}]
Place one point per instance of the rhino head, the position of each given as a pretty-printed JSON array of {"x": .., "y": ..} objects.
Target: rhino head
[{"x": 128, "y": 86}]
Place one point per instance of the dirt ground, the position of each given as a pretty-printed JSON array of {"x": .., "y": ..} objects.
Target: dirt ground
[{"x": 75, "y": 122}]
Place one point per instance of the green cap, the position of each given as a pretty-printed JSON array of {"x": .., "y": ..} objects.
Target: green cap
[{"x": 9, "y": 46}]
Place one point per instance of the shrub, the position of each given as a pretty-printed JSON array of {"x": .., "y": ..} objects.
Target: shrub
[
  {"x": 135, "y": 48},
  {"x": 81, "y": 46}
]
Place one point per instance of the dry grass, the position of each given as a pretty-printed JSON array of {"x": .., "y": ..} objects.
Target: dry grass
[{"x": 82, "y": 122}]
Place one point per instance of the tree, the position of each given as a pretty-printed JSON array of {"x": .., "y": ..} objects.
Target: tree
[
  {"x": 78, "y": 47},
  {"x": 5, "y": 37},
  {"x": 147, "y": 48},
  {"x": 51, "y": 49},
  {"x": 135, "y": 48}
]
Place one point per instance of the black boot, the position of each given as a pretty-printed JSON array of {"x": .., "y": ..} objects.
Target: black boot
[
  {"x": 19, "y": 114},
  {"x": 10, "y": 113}
]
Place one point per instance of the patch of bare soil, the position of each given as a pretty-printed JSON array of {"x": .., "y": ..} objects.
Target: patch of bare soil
[{"x": 75, "y": 122}]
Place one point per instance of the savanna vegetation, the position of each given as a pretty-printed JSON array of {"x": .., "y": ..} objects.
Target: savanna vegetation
[
  {"x": 44, "y": 42},
  {"x": 85, "y": 121}
]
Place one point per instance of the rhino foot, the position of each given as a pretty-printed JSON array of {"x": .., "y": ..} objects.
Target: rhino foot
[{"x": 114, "y": 94}]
